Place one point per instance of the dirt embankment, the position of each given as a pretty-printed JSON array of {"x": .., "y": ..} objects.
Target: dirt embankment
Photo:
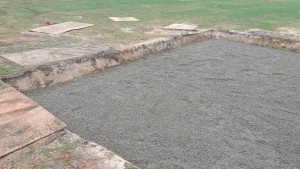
[{"x": 68, "y": 70}]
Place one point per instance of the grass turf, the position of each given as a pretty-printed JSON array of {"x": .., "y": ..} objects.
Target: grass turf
[
  {"x": 7, "y": 67},
  {"x": 2, "y": 85},
  {"x": 20, "y": 15}
]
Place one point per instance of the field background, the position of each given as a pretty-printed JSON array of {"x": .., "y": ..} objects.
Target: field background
[
  {"x": 21, "y": 15},
  {"x": 17, "y": 16}
]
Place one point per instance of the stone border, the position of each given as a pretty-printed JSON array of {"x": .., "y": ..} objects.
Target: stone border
[
  {"x": 66, "y": 70},
  {"x": 64, "y": 150},
  {"x": 266, "y": 39}
]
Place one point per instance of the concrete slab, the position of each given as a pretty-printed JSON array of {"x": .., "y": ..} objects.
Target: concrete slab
[
  {"x": 128, "y": 30},
  {"x": 289, "y": 31},
  {"x": 61, "y": 28},
  {"x": 124, "y": 19},
  {"x": 17, "y": 104},
  {"x": 22, "y": 122},
  {"x": 177, "y": 26},
  {"x": 9, "y": 93},
  {"x": 64, "y": 150},
  {"x": 162, "y": 32},
  {"x": 12, "y": 100},
  {"x": 48, "y": 55}
]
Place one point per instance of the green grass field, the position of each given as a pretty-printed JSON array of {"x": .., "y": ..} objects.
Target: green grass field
[{"x": 20, "y": 15}]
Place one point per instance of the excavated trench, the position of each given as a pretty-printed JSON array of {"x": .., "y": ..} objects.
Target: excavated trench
[{"x": 211, "y": 104}]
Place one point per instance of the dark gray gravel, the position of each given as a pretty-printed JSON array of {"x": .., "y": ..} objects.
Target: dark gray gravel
[{"x": 213, "y": 104}]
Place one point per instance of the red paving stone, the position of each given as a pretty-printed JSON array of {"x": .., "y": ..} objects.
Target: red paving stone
[
  {"x": 12, "y": 100},
  {"x": 8, "y": 94},
  {"x": 15, "y": 105},
  {"x": 22, "y": 121}
]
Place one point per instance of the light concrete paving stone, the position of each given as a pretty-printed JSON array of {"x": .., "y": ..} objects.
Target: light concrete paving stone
[
  {"x": 61, "y": 28},
  {"x": 124, "y": 19},
  {"x": 162, "y": 32},
  {"x": 177, "y": 26},
  {"x": 48, "y": 55},
  {"x": 128, "y": 30},
  {"x": 289, "y": 31}
]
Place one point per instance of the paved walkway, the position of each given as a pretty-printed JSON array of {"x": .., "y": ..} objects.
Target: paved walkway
[
  {"x": 22, "y": 121},
  {"x": 50, "y": 55}
]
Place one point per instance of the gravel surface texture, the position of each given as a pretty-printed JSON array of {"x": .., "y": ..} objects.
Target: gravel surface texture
[{"x": 212, "y": 104}]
